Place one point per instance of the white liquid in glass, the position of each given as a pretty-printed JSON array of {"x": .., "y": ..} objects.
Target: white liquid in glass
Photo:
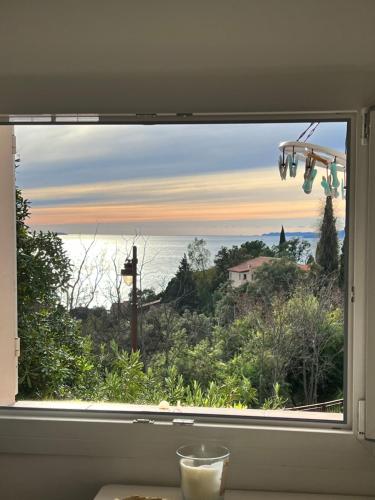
[{"x": 202, "y": 482}]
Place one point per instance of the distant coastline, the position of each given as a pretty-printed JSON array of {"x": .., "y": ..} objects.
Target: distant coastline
[
  {"x": 302, "y": 234},
  {"x": 272, "y": 234}
]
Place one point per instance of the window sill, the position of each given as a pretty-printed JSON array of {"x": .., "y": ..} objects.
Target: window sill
[
  {"x": 282, "y": 454},
  {"x": 287, "y": 415}
]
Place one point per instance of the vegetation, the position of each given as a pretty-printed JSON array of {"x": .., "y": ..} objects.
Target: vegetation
[
  {"x": 282, "y": 239},
  {"x": 327, "y": 251},
  {"x": 271, "y": 343}
]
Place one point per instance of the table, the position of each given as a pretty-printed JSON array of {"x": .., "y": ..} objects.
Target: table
[{"x": 118, "y": 491}]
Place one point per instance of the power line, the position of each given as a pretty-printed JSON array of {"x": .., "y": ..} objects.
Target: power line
[
  {"x": 312, "y": 131},
  {"x": 309, "y": 131},
  {"x": 305, "y": 131}
]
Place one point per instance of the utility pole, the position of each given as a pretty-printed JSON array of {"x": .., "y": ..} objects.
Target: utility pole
[
  {"x": 134, "y": 318},
  {"x": 129, "y": 274}
]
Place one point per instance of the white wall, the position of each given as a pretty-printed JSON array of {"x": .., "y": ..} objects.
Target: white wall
[
  {"x": 175, "y": 56},
  {"x": 73, "y": 461},
  {"x": 236, "y": 278}
]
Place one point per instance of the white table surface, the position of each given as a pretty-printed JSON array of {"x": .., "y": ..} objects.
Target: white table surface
[{"x": 118, "y": 491}]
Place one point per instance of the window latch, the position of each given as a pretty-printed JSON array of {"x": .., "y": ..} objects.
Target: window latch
[{"x": 143, "y": 421}]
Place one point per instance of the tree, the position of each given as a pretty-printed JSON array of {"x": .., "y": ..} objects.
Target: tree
[
  {"x": 255, "y": 248},
  {"x": 206, "y": 284},
  {"x": 43, "y": 268},
  {"x": 327, "y": 255},
  {"x": 53, "y": 355},
  {"x": 86, "y": 276},
  {"x": 279, "y": 277},
  {"x": 55, "y": 359},
  {"x": 318, "y": 338},
  {"x": 282, "y": 240},
  {"x": 197, "y": 326},
  {"x": 182, "y": 290},
  {"x": 294, "y": 249},
  {"x": 199, "y": 254}
]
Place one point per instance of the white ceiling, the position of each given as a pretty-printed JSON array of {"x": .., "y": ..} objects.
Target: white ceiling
[{"x": 186, "y": 55}]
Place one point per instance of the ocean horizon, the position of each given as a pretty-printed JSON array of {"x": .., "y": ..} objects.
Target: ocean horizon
[{"x": 158, "y": 257}]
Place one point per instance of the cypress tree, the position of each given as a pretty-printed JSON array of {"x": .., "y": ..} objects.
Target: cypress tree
[
  {"x": 327, "y": 254},
  {"x": 282, "y": 240},
  {"x": 182, "y": 288}
]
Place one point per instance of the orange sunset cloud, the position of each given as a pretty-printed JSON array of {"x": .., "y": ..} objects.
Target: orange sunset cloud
[
  {"x": 92, "y": 214},
  {"x": 255, "y": 194}
]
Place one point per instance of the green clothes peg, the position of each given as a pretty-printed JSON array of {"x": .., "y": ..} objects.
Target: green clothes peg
[
  {"x": 309, "y": 179},
  {"x": 325, "y": 185},
  {"x": 335, "y": 179}
]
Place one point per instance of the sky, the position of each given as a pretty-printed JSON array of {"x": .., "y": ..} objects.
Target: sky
[{"x": 200, "y": 179}]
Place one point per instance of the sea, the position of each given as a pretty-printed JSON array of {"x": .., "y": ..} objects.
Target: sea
[{"x": 103, "y": 257}]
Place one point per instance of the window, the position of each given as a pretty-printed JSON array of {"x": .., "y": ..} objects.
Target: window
[
  {"x": 105, "y": 434},
  {"x": 356, "y": 382},
  {"x": 95, "y": 317}
]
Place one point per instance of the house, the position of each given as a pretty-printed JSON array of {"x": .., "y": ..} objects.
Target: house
[
  {"x": 249, "y": 59},
  {"x": 244, "y": 272}
]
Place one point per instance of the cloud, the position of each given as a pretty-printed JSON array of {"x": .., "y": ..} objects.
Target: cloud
[
  {"x": 202, "y": 211},
  {"x": 52, "y": 154},
  {"x": 235, "y": 185},
  {"x": 166, "y": 178}
]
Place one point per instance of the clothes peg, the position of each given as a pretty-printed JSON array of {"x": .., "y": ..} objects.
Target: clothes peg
[
  {"x": 289, "y": 162},
  {"x": 309, "y": 180},
  {"x": 293, "y": 172},
  {"x": 335, "y": 179},
  {"x": 326, "y": 186},
  {"x": 282, "y": 167}
]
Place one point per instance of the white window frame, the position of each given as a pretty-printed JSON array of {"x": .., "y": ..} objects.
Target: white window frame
[
  {"x": 368, "y": 417},
  {"x": 112, "y": 434},
  {"x": 8, "y": 273}
]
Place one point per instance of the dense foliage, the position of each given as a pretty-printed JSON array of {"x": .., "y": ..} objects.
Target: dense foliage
[
  {"x": 274, "y": 342},
  {"x": 52, "y": 349},
  {"x": 327, "y": 251},
  {"x": 282, "y": 239}
]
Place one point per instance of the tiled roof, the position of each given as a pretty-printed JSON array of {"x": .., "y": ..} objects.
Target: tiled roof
[
  {"x": 257, "y": 262},
  {"x": 251, "y": 264}
]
